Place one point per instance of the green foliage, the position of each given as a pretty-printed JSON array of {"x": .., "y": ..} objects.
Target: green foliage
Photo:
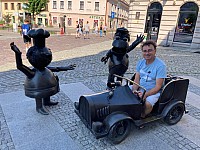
[
  {"x": 7, "y": 18},
  {"x": 35, "y": 6},
  {"x": 2, "y": 21}
]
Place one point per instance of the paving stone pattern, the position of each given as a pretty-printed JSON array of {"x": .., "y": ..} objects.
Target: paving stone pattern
[{"x": 92, "y": 72}]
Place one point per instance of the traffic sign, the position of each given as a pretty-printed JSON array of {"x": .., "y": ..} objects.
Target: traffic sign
[{"x": 112, "y": 14}]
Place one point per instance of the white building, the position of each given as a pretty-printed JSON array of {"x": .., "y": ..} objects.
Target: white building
[{"x": 169, "y": 22}]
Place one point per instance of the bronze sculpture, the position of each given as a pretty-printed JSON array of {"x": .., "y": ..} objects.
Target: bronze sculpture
[
  {"x": 41, "y": 83},
  {"x": 118, "y": 57}
]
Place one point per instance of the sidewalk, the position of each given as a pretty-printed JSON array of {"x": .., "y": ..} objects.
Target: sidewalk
[{"x": 22, "y": 128}]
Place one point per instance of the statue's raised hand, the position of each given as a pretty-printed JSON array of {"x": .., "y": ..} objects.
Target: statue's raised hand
[
  {"x": 15, "y": 48},
  {"x": 104, "y": 59},
  {"x": 140, "y": 38}
]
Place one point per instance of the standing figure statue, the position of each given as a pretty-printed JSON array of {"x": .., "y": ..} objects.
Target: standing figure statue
[
  {"x": 119, "y": 62},
  {"x": 41, "y": 83}
]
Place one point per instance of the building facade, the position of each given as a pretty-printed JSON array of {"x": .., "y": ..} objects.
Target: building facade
[
  {"x": 97, "y": 12},
  {"x": 168, "y": 22},
  {"x": 12, "y": 8},
  {"x": 113, "y": 13}
]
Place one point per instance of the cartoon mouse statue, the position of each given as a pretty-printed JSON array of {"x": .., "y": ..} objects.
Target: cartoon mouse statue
[
  {"x": 118, "y": 57},
  {"x": 40, "y": 83}
]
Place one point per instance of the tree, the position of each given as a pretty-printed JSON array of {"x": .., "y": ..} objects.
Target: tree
[
  {"x": 7, "y": 18},
  {"x": 35, "y": 7}
]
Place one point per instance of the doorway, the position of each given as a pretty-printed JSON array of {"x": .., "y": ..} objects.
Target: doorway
[
  {"x": 153, "y": 19},
  {"x": 186, "y": 23}
]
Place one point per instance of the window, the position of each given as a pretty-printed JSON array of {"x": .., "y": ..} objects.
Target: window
[
  {"x": 80, "y": 22},
  {"x": 69, "y": 4},
  {"x": 12, "y": 6},
  {"x": 46, "y": 7},
  {"x": 186, "y": 23},
  {"x": 54, "y": 20},
  {"x": 19, "y": 6},
  {"x": 54, "y": 5},
  {"x": 69, "y": 22},
  {"x": 6, "y": 6},
  {"x": 96, "y": 6},
  {"x": 61, "y": 4},
  {"x": 137, "y": 15},
  {"x": 81, "y": 5}
]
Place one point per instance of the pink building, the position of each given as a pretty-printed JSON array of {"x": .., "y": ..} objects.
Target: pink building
[{"x": 110, "y": 12}]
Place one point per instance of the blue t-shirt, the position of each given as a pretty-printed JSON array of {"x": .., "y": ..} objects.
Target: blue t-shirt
[
  {"x": 149, "y": 73},
  {"x": 25, "y": 28}
]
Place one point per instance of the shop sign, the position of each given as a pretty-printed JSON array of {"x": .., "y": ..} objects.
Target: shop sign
[
  {"x": 42, "y": 15},
  {"x": 95, "y": 17},
  {"x": 112, "y": 14},
  {"x": 136, "y": 3}
]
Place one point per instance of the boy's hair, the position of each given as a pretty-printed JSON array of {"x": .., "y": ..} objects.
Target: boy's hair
[
  {"x": 149, "y": 42},
  {"x": 26, "y": 20}
]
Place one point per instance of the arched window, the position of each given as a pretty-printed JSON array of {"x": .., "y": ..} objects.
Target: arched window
[{"x": 186, "y": 23}]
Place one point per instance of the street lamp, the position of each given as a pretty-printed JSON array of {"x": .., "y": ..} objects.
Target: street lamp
[
  {"x": 17, "y": 13},
  {"x": 50, "y": 21},
  {"x": 64, "y": 22}
]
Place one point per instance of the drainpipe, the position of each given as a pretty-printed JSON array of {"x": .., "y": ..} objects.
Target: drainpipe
[
  {"x": 106, "y": 13},
  {"x": 166, "y": 43}
]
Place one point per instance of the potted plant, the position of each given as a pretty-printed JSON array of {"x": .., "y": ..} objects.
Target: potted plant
[{"x": 2, "y": 23}]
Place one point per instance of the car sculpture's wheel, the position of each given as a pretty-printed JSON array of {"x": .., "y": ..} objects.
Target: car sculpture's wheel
[
  {"x": 175, "y": 114},
  {"x": 119, "y": 131}
]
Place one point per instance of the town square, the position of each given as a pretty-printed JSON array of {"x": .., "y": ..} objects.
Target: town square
[{"x": 23, "y": 128}]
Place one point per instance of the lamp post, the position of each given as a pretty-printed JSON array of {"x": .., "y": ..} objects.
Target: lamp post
[
  {"x": 18, "y": 13},
  {"x": 106, "y": 14},
  {"x": 50, "y": 21},
  {"x": 64, "y": 22}
]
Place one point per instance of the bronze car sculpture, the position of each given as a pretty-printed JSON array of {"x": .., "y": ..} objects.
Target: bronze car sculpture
[{"x": 110, "y": 113}]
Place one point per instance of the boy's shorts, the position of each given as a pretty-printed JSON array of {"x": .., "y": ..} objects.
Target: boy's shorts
[{"x": 26, "y": 39}]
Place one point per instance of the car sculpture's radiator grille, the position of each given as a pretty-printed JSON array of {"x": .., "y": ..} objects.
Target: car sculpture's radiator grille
[
  {"x": 85, "y": 111},
  {"x": 103, "y": 111}
]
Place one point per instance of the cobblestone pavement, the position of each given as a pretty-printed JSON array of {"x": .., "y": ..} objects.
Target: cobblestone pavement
[{"x": 91, "y": 72}]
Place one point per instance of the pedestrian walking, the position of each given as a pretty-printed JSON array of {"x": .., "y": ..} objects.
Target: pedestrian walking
[
  {"x": 86, "y": 30},
  {"x": 80, "y": 30},
  {"x": 96, "y": 29},
  {"x": 105, "y": 29},
  {"x": 24, "y": 30},
  {"x": 101, "y": 30},
  {"x": 77, "y": 29}
]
